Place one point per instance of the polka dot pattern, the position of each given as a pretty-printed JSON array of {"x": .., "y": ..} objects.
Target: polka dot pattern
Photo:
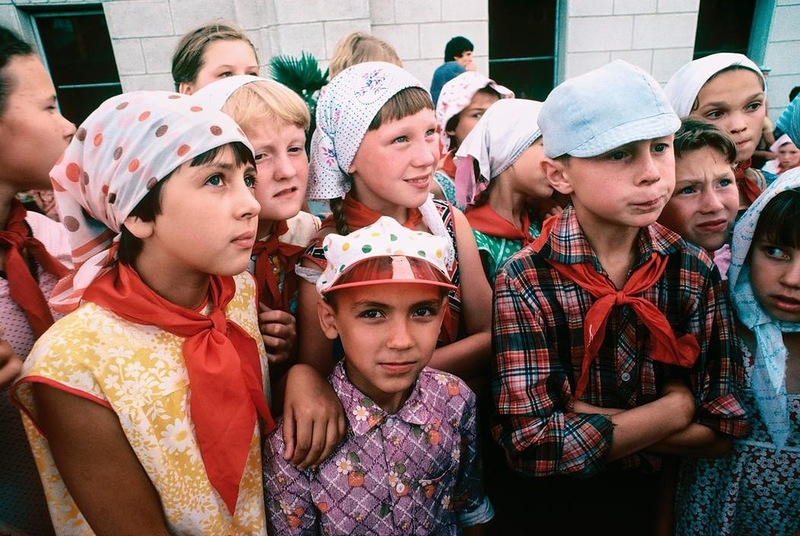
[
  {"x": 116, "y": 156},
  {"x": 345, "y": 109},
  {"x": 385, "y": 237}
]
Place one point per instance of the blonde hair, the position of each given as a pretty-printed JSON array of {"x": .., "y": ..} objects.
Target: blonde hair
[
  {"x": 359, "y": 47},
  {"x": 257, "y": 101},
  {"x": 187, "y": 59}
]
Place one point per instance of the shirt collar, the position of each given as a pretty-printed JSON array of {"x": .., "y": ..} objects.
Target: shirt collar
[{"x": 363, "y": 414}]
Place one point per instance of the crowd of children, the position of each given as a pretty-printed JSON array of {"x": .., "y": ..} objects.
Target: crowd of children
[{"x": 595, "y": 296}]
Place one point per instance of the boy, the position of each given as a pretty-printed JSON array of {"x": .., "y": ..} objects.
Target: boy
[
  {"x": 409, "y": 464},
  {"x": 705, "y": 201},
  {"x": 459, "y": 49},
  {"x": 612, "y": 335}
]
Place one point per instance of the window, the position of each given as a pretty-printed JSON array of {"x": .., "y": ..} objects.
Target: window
[
  {"x": 522, "y": 45},
  {"x": 723, "y": 26},
  {"x": 77, "y": 51}
]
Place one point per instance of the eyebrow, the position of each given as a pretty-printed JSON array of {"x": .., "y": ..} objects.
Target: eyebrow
[{"x": 722, "y": 104}]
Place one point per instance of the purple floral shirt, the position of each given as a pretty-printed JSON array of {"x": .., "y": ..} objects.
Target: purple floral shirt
[{"x": 413, "y": 472}]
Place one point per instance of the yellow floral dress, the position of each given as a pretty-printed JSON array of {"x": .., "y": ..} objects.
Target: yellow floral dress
[{"x": 138, "y": 372}]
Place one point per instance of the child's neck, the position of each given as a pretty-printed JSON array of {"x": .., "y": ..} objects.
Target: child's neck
[
  {"x": 186, "y": 290},
  {"x": 508, "y": 202},
  {"x": 615, "y": 247},
  {"x": 398, "y": 212},
  {"x": 265, "y": 228}
]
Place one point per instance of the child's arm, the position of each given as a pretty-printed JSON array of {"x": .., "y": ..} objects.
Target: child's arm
[
  {"x": 287, "y": 495},
  {"x": 313, "y": 418},
  {"x": 97, "y": 463},
  {"x": 469, "y": 357},
  {"x": 10, "y": 364}
]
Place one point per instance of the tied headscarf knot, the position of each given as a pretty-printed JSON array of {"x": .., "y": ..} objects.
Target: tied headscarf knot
[
  {"x": 682, "y": 351},
  {"x": 22, "y": 287}
]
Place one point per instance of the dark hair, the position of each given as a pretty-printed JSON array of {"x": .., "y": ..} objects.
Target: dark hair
[
  {"x": 10, "y": 45},
  {"x": 150, "y": 206},
  {"x": 187, "y": 59},
  {"x": 695, "y": 135},
  {"x": 456, "y": 47},
  {"x": 777, "y": 223},
  {"x": 404, "y": 103},
  {"x": 793, "y": 93}
]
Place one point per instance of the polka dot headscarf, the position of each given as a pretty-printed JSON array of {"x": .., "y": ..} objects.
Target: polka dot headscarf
[
  {"x": 345, "y": 109},
  {"x": 117, "y": 155}
]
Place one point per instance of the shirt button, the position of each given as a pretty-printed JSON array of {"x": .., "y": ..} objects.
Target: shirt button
[
  {"x": 389, "y": 422},
  {"x": 625, "y": 377}
]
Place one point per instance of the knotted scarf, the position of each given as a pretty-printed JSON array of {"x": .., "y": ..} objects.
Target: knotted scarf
[{"x": 266, "y": 279}]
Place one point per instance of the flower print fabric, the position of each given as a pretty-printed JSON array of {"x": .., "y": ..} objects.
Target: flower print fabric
[{"x": 413, "y": 472}]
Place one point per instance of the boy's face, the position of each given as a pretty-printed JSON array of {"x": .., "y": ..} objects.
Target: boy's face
[
  {"x": 704, "y": 205},
  {"x": 389, "y": 333},
  {"x": 469, "y": 116},
  {"x": 393, "y": 167},
  {"x": 221, "y": 59},
  {"x": 734, "y": 101},
  {"x": 282, "y": 167},
  {"x": 775, "y": 277},
  {"x": 626, "y": 187},
  {"x": 465, "y": 60},
  {"x": 207, "y": 223}
]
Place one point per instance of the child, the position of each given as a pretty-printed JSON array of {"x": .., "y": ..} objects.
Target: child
[
  {"x": 34, "y": 253},
  {"x": 462, "y": 102},
  {"x": 215, "y": 50},
  {"x": 128, "y": 387},
  {"x": 359, "y": 47},
  {"x": 705, "y": 202},
  {"x": 756, "y": 489},
  {"x": 459, "y": 49},
  {"x": 373, "y": 154},
  {"x": 612, "y": 335},
  {"x": 788, "y": 157},
  {"x": 410, "y": 464},
  {"x": 506, "y": 148},
  {"x": 727, "y": 90}
]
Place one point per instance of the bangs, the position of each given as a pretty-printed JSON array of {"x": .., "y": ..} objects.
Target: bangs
[
  {"x": 241, "y": 154},
  {"x": 778, "y": 224},
  {"x": 404, "y": 103}
]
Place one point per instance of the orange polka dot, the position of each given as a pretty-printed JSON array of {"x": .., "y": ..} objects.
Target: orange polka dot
[
  {"x": 104, "y": 189},
  {"x": 196, "y": 108},
  {"x": 73, "y": 172},
  {"x": 133, "y": 165},
  {"x": 183, "y": 149},
  {"x": 98, "y": 139},
  {"x": 144, "y": 115}
]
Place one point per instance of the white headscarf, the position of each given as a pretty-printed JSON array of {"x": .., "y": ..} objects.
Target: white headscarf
[
  {"x": 684, "y": 86},
  {"x": 769, "y": 371},
  {"x": 123, "y": 149},
  {"x": 346, "y": 107},
  {"x": 219, "y": 91},
  {"x": 504, "y": 132}
]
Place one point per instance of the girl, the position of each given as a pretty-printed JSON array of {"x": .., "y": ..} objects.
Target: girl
[
  {"x": 727, "y": 90},
  {"x": 214, "y": 50},
  {"x": 34, "y": 253},
  {"x": 359, "y": 47},
  {"x": 506, "y": 148},
  {"x": 788, "y": 157},
  {"x": 756, "y": 489},
  {"x": 373, "y": 154},
  {"x": 462, "y": 102}
]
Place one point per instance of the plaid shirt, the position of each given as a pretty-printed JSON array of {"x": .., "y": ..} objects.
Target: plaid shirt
[{"x": 538, "y": 344}]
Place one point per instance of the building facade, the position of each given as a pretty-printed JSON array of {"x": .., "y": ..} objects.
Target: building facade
[{"x": 108, "y": 46}]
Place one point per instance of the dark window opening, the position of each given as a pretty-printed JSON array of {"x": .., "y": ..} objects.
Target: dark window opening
[
  {"x": 723, "y": 26},
  {"x": 522, "y": 44}
]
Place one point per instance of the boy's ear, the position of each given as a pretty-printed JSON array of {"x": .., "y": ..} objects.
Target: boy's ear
[
  {"x": 185, "y": 88},
  {"x": 138, "y": 228},
  {"x": 557, "y": 175},
  {"x": 327, "y": 319}
]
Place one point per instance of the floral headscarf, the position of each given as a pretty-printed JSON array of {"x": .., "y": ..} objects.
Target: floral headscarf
[
  {"x": 117, "y": 155},
  {"x": 345, "y": 109},
  {"x": 504, "y": 132},
  {"x": 769, "y": 371}
]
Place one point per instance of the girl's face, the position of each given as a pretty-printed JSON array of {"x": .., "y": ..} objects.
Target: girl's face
[
  {"x": 529, "y": 178},
  {"x": 705, "y": 201},
  {"x": 734, "y": 101},
  {"x": 788, "y": 156},
  {"x": 222, "y": 59},
  {"x": 469, "y": 116},
  {"x": 214, "y": 201},
  {"x": 775, "y": 277},
  {"x": 394, "y": 165},
  {"x": 34, "y": 133},
  {"x": 282, "y": 167}
]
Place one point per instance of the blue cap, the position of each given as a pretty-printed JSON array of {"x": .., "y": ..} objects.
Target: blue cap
[{"x": 606, "y": 108}]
